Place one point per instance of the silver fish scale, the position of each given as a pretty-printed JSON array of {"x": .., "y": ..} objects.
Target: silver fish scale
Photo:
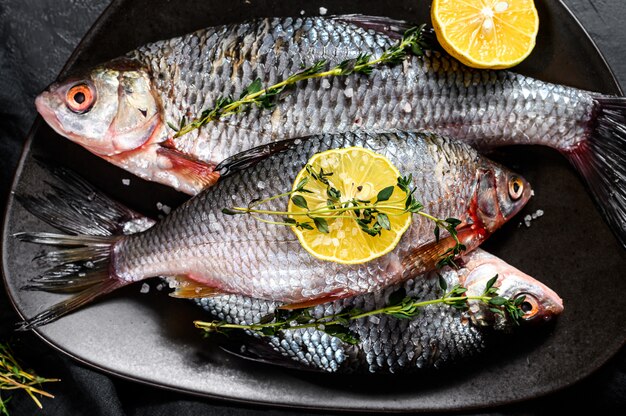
[
  {"x": 438, "y": 336},
  {"x": 241, "y": 255},
  {"x": 433, "y": 92}
]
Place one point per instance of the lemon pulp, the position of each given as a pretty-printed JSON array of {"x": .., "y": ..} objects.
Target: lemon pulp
[
  {"x": 358, "y": 174},
  {"x": 486, "y": 33}
]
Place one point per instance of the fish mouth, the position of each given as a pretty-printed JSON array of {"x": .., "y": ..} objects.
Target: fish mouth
[{"x": 48, "y": 114}]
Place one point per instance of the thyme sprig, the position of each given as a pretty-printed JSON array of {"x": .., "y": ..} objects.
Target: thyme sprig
[
  {"x": 14, "y": 377},
  {"x": 372, "y": 216},
  {"x": 399, "y": 305},
  {"x": 265, "y": 98}
]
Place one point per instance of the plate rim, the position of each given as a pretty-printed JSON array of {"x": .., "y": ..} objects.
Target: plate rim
[{"x": 10, "y": 201}]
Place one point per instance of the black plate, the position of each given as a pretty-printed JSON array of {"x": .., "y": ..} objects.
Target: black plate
[{"x": 149, "y": 338}]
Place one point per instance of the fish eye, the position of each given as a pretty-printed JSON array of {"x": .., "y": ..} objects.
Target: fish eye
[
  {"x": 80, "y": 98},
  {"x": 530, "y": 305},
  {"x": 516, "y": 188}
]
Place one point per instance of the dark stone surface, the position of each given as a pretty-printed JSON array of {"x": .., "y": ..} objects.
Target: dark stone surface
[{"x": 37, "y": 37}]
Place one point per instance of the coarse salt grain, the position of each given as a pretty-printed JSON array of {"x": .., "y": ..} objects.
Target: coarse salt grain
[{"x": 323, "y": 11}]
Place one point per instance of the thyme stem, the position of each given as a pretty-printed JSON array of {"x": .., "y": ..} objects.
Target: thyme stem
[
  {"x": 265, "y": 97},
  {"x": 13, "y": 377},
  {"x": 400, "y": 306}
]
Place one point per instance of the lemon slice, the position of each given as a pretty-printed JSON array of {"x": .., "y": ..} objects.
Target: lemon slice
[
  {"x": 359, "y": 174},
  {"x": 486, "y": 33}
]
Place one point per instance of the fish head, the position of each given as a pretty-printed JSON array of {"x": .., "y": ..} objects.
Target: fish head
[
  {"x": 538, "y": 302},
  {"x": 500, "y": 194},
  {"x": 109, "y": 110}
]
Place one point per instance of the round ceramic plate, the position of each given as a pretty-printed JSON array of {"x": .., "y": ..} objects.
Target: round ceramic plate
[{"x": 149, "y": 337}]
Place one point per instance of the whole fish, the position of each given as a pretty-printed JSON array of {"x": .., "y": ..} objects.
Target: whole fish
[
  {"x": 438, "y": 336},
  {"x": 217, "y": 253},
  {"x": 121, "y": 109}
]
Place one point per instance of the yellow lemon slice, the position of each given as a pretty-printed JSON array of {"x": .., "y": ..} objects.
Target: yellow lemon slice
[
  {"x": 486, "y": 33},
  {"x": 355, "y": 174}
]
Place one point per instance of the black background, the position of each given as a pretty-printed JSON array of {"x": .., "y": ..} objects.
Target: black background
[{"x": 37, "y": 37}]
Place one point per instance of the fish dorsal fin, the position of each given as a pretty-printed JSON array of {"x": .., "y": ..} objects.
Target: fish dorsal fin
[
  {"x": 251, "y": 157},
  {"x": 385, "y": 25},
  {"x": 200, "y": 173},
  {"x": 188, "y": 288}
]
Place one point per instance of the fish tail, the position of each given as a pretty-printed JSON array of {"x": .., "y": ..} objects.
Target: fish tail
[
  {"x": 601, "y": 159},
  {"x": 81, "y": 267},
  {"x": 81, "y": 264}
]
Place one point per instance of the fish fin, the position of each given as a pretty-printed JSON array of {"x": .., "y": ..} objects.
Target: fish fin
[
  {"x": 392, "y": 28},
  {"x": 84, "y": 270},
  {"x": 427, "y": 257},
  {"x": 601, "y": 160},
  {"x": 81, "y": 265},
  {"x": 75, "y": 302},
  {"x": 389, "y": 27},
  {"x": 251, "y": 157},
  {"x": 257, "y": 350},
  {"x": 313, "y": 302},
  {"x": 74, "y": 206},
  {"x": 201, "y": 174},
  {"x": 188, "y": 288}
]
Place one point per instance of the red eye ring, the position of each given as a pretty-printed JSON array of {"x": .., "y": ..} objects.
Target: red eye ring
[
  {"x": 530, "y": 306},
  {"x": 80, "y": 98}
]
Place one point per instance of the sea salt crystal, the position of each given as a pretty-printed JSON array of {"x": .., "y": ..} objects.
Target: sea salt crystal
[
  {"x": 145, "y": 288},
  {"x": 529, "y": 218},
  {"x": 301, "y": 12},
  {"x": 164, "y": 208},
  {"x": 407, "y": 107},
  {"x": 323, "y": 11},
  {"x": 349, "y": 92},
  {"x": 160, "y": 287},
  {"x": 126, "y": 182},
  {"x": 260, "y": 185},
  {"x": 325, "y": 84}
]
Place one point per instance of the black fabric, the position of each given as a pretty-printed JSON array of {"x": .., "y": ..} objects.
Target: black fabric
[{"x": 36, "y": 37}]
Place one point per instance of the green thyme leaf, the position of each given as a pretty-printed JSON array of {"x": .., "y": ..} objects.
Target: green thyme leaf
[
  {"x": 396, "y": 297},
  {"x": 229, "y": 211},
  {"x": 321, "y": 224},
  {"x": 385, "y": 194},
  {"x": 490, "y": 283},
  {"x": 497, "y": 301},
  {"x": 299, "y": 201},
  {"x": 304, "y": 225},
  {"x": 383, "y": 220},
  {"x": 442, "y": 283}
]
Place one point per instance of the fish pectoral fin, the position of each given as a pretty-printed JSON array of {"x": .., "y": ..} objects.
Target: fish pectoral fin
[
  {"x": 427, "y": 257},
  {"x": 188, "y": 288},
  {"x": 202, "y": 174},
  {"x": 248, "y": 158},
  {"x": 314, "y": 302}
]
